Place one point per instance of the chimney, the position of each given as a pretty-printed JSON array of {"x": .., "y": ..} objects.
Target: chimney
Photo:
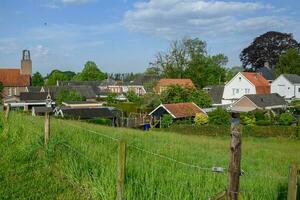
[
  {"x": 267, "y": 65},
  {"x": 26, "y": 64}
]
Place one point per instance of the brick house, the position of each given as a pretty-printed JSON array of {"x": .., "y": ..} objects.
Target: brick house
[
  {"x": 163, "y": 84},
  {"x": 15, "y": 80}
]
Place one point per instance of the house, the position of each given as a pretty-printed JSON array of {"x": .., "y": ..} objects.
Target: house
[
  {"x": 27, "y": 100},
  {"x": 178, "y": 111},
  {"x": 252, "y": 102},
  {"x": 287, "y": 86},
  {"x": 267, "y": 73},
  {"x": 244, "y": 83},
  {"x": 216, "y": 93},
  {"x": 82, "y": 104},
  {"x": 163, "y": 84},
  {"x": 15, "y": 80},
  {"x": 89, "y": 113}
]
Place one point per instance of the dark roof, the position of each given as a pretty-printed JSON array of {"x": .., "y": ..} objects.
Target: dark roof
[
  {"x": 87, "y": 113},
  {"x": 80, "y": 102},
  {"x": 77, "y": 83},
  {"x": 293, "y": 78},
  {"x": 86, "y": 91},
  {"x": 34, "y": 96},
  {"x": 34, "y": 88},
  {"x": 143, "y": 79},
  {"x": 266, "y": 73},
  {"x": 266, "y": 100},
  {"x": 216, "y": 93},
  {"x": 44, "y": 109}
]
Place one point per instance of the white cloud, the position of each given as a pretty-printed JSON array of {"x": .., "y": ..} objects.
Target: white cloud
[
  {"x": 177, "y": 18},
  {"x": 39, "y": 51}
]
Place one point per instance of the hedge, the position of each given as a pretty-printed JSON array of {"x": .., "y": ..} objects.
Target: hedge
[{"x": 257, "y": 131}]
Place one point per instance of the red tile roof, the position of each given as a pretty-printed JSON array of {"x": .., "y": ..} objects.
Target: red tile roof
[
  {"x": 261, "y": 84},
  {"x": 182, "y": 82},
  {"x": 13, "y": 77},
  {"x": 181, "y": 110}
]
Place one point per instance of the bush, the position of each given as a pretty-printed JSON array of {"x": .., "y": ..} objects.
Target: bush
[
  {"x": 166, "y": 121},
  {"x": 298, "y": 129},
  {"x": 248, "y": 119},
  {"x": 132, "y": 97},
  {"x": 201, "y": 119},
  {"x": 64, "y": 94},
  {"x": 263, "y": 122},
  {"x": 1, "y": 123},
  {"x": 219, "y": 117},
  {"x": 286, "y": 119}
]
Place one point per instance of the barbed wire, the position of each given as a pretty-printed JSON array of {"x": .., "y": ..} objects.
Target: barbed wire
[{"x": 94, "y": 132}]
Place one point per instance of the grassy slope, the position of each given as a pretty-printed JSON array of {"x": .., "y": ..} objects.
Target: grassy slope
[{"x": 62, "y": 172}]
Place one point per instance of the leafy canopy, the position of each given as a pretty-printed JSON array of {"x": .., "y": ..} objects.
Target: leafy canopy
[
  {"x": 90, "y": 72},
  {"x": 37, "y": 79},
  {"x": 56, "y": 76},
  {"x": 64, "y": 94},
  {"x": 219, "y": 117},
  {"x": 188, "y": 58},
  {"x": 289, "y": 62},
  {"x": 178, "y": 94},
  {"x": 267, "y": 48}
]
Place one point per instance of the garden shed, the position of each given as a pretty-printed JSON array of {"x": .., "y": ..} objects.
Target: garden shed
[{"x": 178, "y": 111}]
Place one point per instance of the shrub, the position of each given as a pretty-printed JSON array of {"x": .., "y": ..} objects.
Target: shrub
[
  {"x": 132, "y": 97},
  {"x": 219, "y": 117},
  {"x": 166, "y": 121},
  {"x": 286, "y": 119},
  {"x": 248, "y": 119},
  {"x": 298, "y": 129},
  {"x": 263, "y": 122},
  {"x": 64, "y": 94},
  {"x": 1, "y": 123},
  {"x": 201, "y": 119}
]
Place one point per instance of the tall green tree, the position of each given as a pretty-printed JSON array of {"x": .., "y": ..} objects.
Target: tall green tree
[
  {"x": 37, "y": 79},
  {"x": 188, "y": 58},
  {"x": 178, "y": 94},
  {"x": 90, "y": 72},
  {"x": 267, "y": 48},
  {"x": 56, "y": 76},
  {"x": 289, "y": 63}
]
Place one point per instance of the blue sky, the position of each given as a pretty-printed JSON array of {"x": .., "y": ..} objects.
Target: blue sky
[{"x": 125, "y": 35}]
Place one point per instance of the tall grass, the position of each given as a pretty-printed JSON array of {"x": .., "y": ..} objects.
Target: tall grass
[{"x": 82, "y": 164}]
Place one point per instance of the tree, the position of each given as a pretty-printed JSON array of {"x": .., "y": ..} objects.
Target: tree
[
  {"x": 1, "y": 87},
  {"x": 111, "y": 98},
  {"x": 56, "y": 76},
  {"x": 132, "y": 97},
  {"x": 166, "y": 121},
  {"x": 188, "y": 58},
  {"x": 266, "y": 49},
  {"x": 37, "y": 79},
  {"x": 65, "y": 94},
  {"x": 286, "y": 119},
  {"x": 289, "y": 62},
  {"x": 152, "y": 71},
  {"x": 219, "y": 117},
  {"x": 178, "y": 94},
  {"x": 90, "y": 72},
  {"x": 150, "y": 101}
]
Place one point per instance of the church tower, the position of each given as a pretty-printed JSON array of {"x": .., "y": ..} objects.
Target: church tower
[{"x": 26, "y": 64}]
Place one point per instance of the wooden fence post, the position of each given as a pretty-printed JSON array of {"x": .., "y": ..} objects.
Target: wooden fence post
[
  {"x": 121, "y": 169},
  {"x": 292, "y": 187},
  {"x": 235, "y": 163},
  {"x": 47, "y": 128},
  {"x": 7, "y": 112}
]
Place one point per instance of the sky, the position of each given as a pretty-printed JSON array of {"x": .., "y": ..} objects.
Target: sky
[{"x": 125, "y": 35}]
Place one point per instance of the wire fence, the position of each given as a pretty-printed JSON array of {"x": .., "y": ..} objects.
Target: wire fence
[{"x": 212, "y": 169}]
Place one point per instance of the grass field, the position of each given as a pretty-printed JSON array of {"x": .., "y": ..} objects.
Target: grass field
[{"x": 80, "y": 163}]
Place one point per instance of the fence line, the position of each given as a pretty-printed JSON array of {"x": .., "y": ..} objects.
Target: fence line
[
  {"x": 174, "y": 160},
  {"x": 94, "y": 132}
]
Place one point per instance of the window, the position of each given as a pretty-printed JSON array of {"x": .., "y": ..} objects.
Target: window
[
  {"x": 298, "y": 89},
  {"x": 240, "y": 78},
  {"x": 247, "y": 90},
  {"x": 10, "y": 92}
]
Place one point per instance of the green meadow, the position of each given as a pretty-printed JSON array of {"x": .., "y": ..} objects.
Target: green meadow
[{"x": 81, "y": 162}]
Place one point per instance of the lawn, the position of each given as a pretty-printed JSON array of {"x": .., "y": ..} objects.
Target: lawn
[{"x": 81, "y": 159}]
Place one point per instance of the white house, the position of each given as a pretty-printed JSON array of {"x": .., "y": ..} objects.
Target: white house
[
  {"x": 244, "y": 83},
  {"x": 287, "y": 86}
]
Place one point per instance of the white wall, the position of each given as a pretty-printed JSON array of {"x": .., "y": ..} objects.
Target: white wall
[
  {"x": 297, "y": 91},
  {"x": 283, "y": 87},
  {"x": 237, "y": 87}
]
